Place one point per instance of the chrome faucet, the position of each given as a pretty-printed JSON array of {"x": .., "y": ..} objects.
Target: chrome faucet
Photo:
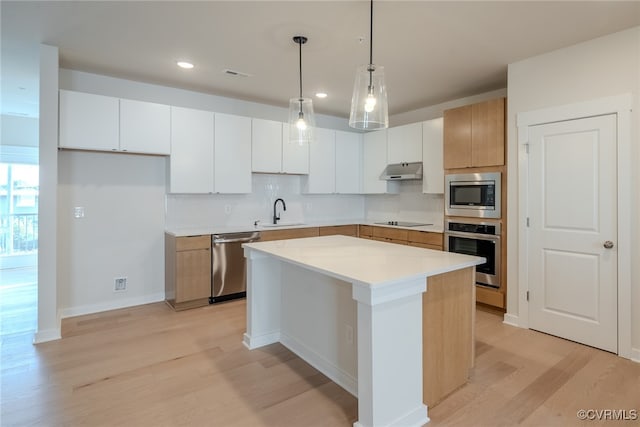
[{"x": 276, "y": 217}]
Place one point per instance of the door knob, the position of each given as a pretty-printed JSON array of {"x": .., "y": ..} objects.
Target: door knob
[{"x": 608, "y": 244}]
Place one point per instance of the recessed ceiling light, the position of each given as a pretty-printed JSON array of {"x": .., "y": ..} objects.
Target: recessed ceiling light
[
  {"x": 321, "y": 95},
  {"x": 185, "y": 65}
]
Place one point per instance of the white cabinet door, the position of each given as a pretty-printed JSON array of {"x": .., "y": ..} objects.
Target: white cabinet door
[
  {"x": 88, "y": 121},
  {"x": 322, "y": 162},
  {"x": 266, "y": 146},
  {"x": 295, "y": 157},
  {"x": 232, "y": 154},
  {"x": 404, "y": 143},
  {"x": 191, "y": 160},
  {"x": 348, "y": 162},
  {"x": 145, "y": 127},
  {"x": 432, "y": 158},
  {"x": 374, "y": 161}
]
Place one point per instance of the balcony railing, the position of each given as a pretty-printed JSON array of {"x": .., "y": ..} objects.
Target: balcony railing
[{"x": 18, "y": 234}]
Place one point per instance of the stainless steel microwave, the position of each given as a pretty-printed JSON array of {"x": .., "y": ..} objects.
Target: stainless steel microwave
[{"x": 475, "y": 195}]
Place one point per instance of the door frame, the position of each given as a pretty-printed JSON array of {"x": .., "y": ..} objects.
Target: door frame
[{"x": 620, "y": 105}]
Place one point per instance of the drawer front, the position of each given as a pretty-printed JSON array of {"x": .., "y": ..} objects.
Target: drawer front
[
  {"x": 190, "y": 243},
  {"x": 365, "y": 231},
  {"x": 425, "y": 237},
  {"x": 390, "y": 240},
  {"x": 426, "y": 246},
  {"x": 292, "y": 233},
  {"x": 390, "y": 233},
  {"x": 344, "y": 230}
]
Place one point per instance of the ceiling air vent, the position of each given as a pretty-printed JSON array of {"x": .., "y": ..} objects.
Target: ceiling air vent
[{"x": 235, "y": 73}]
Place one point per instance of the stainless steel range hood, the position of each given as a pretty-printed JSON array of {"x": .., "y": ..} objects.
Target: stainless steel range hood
[{"x": 402, "y": 171}]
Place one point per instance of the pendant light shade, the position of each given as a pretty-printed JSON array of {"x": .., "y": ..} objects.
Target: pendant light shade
[
  {"x": 301, "y": 117},
  {"x": 369, "y": 101},
  {"x": 369, "y": 109},
  {"x": 301, "y": 120}
]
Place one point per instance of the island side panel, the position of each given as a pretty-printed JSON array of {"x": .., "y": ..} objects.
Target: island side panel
[
  {"x": 319, "y": 323},
  {"x": 390, "y": 361},
  {"x": 264, "y": 277},
  {"x": 448, "y": 333}
]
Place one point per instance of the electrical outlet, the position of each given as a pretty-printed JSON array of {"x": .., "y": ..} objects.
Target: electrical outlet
[
  {"x": 348, "y": 332},
  {"x": 308, "y": 206},
  {"x": 78, "y": 212},
  {"x": 120, "y": 284},
  {"x": 227, "y": 209}
]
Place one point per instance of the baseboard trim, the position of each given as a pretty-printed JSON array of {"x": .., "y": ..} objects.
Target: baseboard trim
[
  {"x": 337, "y": 375},
  {"x": 111, "y": 305},
  {"x": 253, "y": 342},
  {"x": 635, "y": 355},
  {"x": 512, "y": 320},
  {"x": 47, "y": 335}
]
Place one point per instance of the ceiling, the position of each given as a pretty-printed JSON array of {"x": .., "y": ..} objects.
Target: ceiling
[{"x": 432, "y": 51}]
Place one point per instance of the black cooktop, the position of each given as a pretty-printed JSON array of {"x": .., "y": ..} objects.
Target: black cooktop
[{"x": 403, "y": 223}]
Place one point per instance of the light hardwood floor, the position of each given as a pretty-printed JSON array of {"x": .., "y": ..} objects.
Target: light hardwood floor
[{"x": 151, "y": 366}]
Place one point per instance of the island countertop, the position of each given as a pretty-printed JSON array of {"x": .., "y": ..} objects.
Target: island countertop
[{"x": 365, "y": 261}]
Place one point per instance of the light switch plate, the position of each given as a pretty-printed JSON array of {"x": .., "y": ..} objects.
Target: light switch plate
[{"x": 78, "y": 212}]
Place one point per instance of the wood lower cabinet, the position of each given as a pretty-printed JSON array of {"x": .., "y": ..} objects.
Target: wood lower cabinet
[
  {"x": 421, "y": 239},
  {"x": 344, "y": 230},
  {"x": 425, "y": 239},
  {"x": 290, "y": 233},
  {"x": 390, "y": 235},
  {"x": 187, "y": 271}
]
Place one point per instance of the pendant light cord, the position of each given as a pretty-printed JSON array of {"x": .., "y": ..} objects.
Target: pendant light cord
[
  {"x": 370, "y": 66},
  {"x": 300, "y": 56},
  {"x": 371, "y": 35}
]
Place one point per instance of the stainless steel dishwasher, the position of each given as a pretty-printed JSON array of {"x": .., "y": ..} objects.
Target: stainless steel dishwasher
[{"x": 228, "y": 272}]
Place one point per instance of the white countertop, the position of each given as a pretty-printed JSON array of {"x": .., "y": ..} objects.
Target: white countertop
[
  {"x": 365, "y": 261},
  {"x": 199, "y": 231}
]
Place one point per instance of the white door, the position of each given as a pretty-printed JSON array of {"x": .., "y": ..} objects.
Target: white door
[{"x": 572, "y": 209}]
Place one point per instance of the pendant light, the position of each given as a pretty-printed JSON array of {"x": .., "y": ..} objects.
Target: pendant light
[
  {"x": 369, "y": 101},
  {"x": 301, "y": 118}
]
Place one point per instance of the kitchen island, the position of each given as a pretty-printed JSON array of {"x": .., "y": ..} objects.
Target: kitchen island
[{"x": 353, "y": 308}]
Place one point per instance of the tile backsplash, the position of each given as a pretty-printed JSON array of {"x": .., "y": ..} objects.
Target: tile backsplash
[
  {"x": 183, "y": 210},
  {"x": 410, "y": 204}
]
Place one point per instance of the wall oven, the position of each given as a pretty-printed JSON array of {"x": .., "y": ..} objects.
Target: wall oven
[
  {"x": 473, "y": 195},
  {"x": 479, "y": 239}
]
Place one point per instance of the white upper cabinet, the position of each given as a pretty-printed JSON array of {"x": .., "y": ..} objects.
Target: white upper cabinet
[
  {"x": 145, "y": 127},
  {"x": 266, "y": 146},
  {"x": 88, "y": 121},
  {"x": 295, "y": 157},
  {"x": 374, "y": 161},
  {"x": 404, "y": 144},
  {"x": 322, "y": 163},
  {"x": 271, "y": 151},
  {"x": 348, "y": 162},
  {"x": 232, "y": 154},
  {"x": 191, "y": 160},
  {"x": 104, "y": 123},
  {"x": 432, "y": 157}
]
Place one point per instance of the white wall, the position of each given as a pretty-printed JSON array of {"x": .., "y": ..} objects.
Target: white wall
[
  {"x": 48, "y": 324},
  {"x": 435, "y": 111},
  {"x": 602, "y": 67},
  {"x": 121, "y": 235},
  {"x": 16, "y": 130}
]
